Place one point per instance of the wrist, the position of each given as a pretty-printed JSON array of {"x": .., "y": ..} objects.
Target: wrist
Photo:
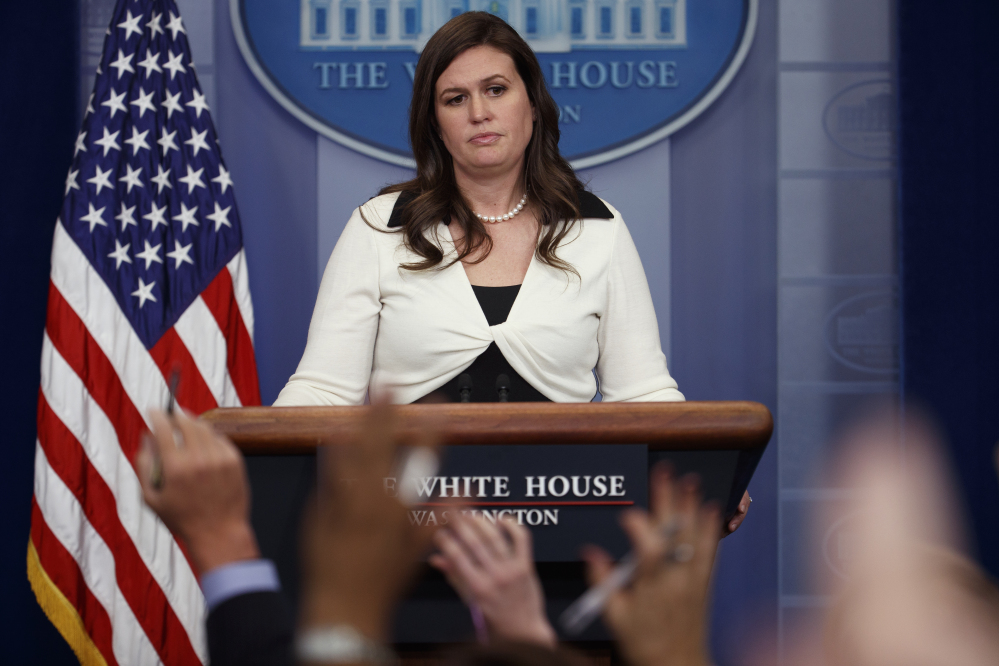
[
  {"x": 340, "y": 644},
  {"x": 219, "y": 547},
  {"x": 326, "y": 610},
  {"x": 538, "y": 633}
]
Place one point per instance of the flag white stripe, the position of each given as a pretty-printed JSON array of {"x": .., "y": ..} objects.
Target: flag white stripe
[
  {"x": 200, "y": 333},
  {"x": 65, "y": 518},
  {"x": 94, "y": 304},
  {"x": 241, "y": 289},
  {"x": 71, "y": 402}
]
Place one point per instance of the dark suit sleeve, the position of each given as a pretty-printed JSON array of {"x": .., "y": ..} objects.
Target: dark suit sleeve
[{"x": 252, "y": 629}]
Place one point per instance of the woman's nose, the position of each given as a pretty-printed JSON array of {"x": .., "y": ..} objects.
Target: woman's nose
[{"x": 478, "y": 109}]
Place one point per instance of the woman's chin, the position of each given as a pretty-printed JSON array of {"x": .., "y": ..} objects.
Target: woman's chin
[{"x": 490, "y": 163}]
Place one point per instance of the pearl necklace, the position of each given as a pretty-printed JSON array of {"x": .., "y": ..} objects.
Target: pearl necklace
[{"x": 502, "y": 218}]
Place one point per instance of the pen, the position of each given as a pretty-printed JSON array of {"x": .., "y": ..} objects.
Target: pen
[
  {"x": 156, "y": 474},
  {"x": 581, "y": 613}
]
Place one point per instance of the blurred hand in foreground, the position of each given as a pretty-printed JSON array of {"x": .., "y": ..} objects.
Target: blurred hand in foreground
[
  {"x": 907, "y": 596},
  {"x": 360, "y": 549},
  {"x": 195, "y": 481},
  {"x": 661, "y": 618},
  {"x": 491, "y": 566}
]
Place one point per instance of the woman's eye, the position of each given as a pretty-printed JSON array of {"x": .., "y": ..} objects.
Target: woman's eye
[
  {"x": 454, "y": 101},
  {"x": 496, "y": 90}
]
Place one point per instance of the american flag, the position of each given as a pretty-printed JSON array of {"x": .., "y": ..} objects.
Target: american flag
[{"x": 148, "y": 276}]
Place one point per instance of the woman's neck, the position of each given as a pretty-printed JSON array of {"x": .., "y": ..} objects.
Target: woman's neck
[{"x": 491, "y": 194}]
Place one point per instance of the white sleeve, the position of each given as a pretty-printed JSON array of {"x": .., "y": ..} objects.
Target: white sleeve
[
  {"x": 631, "y": 365},
  {"x": 336, "y": 366}
]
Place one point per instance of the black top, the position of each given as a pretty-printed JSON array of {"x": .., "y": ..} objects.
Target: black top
[{"x": 484, "y": 373}]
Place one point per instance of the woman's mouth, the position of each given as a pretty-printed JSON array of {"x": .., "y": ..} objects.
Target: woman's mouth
[{"x": 485, "y": 138}]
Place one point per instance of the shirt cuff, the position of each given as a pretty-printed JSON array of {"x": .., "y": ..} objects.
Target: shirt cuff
[{"x": 231, "y": 580}]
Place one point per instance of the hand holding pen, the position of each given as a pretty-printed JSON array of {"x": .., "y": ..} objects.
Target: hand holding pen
[
  {"x": 656, "y": 601},
  {"x": 195, "y": 481},
  {"x": 156, "y": 472}
]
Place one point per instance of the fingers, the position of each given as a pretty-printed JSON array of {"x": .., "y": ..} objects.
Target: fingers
[
  {"x": 598, "y": 564},
  {"x": 462, "y": 568},
  {"x": 740, "y": 514},
  {"x": 163, "y": 444},
  {"x": 708, "y": 533},
  {"x": 439, "y": 562},
  {"x": 485, "y": 540},
  {"x": 196, "y": 436},
  {"x": 646, "y": 538},
  {"x": 144, "y": 462},
  {"x": 682, "y": 548},
  {"x": 661, "y": 492},
  {"x": 373, "y": 452},
  {"x": 520, "y": 537}
]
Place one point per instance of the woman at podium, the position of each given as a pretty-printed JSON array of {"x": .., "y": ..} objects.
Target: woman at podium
[{"x": 493, "y": 275}]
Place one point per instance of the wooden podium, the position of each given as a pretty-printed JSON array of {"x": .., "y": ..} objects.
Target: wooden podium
[
  {"x": 663, "y": 426},
  {"x": 721, "y": 441}
]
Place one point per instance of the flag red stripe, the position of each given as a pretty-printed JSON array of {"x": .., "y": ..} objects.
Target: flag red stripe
[
  {"x": 69, "y": 461},
  {"x": 221, "y": 301},
  {"x": 65, "y": 574},
  {"x": 192, "y": 392},
  {"x": 73, "y": 341}
]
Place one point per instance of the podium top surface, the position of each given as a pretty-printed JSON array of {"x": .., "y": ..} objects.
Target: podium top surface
[{"x": 662, "y": 425}]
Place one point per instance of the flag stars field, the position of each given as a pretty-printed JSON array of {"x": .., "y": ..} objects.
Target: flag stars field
[{"x": 157, "y": 142}]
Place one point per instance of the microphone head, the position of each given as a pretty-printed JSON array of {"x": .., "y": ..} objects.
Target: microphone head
[
  {"x": 502, "y": 382},
  {"x": 464, "y": 381}
]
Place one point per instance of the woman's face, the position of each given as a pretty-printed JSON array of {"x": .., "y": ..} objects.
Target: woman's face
[{"x": 484, "y": 113}]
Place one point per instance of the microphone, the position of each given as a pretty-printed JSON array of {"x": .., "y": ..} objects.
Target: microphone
[
  {"x": 503, "y": 388},
  {"x": 465, "y": 388}
]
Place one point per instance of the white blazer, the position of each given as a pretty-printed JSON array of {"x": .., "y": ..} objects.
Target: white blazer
[{"x": 376, "y": 324}]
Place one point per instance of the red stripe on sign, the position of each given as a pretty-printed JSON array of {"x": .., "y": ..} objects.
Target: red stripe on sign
[
  {"x": 170, "y": 353},
  {"x": 69, "y": 461},
  {"x": 74, "y": 343},
  {"x": 65, "y": 574},
  {"x": 221, "y": 301},
  {"x": 611, "y": 503}
]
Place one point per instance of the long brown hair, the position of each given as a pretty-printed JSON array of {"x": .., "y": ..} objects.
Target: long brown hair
[{"x": 549, "y": 179}]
